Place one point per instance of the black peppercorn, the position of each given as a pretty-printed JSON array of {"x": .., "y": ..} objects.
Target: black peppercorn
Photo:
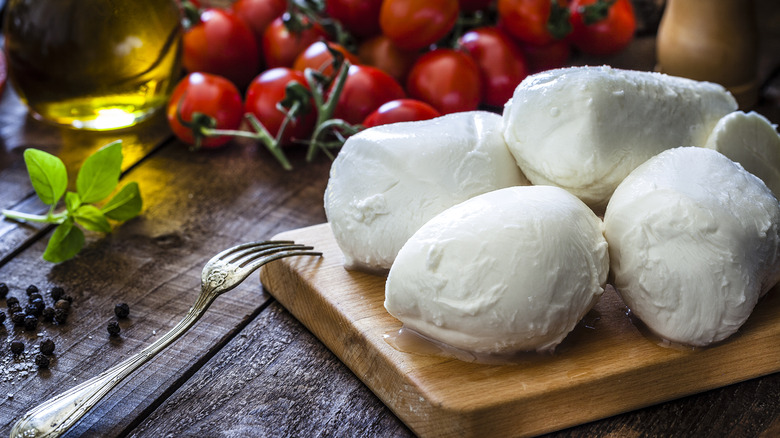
[
  {"x": 18, "y": 318},
  {"x": 47, "y": 347},
  {"x": 42, "y": 361},
  {"x": 122, "y": 310},
  {"x": 32, "y": 289},
  {"x": 67, "y": 298},
  {"x": 17, "y": 347},
  {"x": 30, "y": 322},
  {"x": 11, "y": 301},
  {"x": 113, "y": 328},
  {"x": 34, "y": 308},
  {"x": 60, "y": 316},
  {"x": 3, "y": 290},
  {"x": 62, "y": 304},
  {"x": 47, "y": 314},
  {"x": 56, "y": 293},
  {"x": 2, "y": 317},
  {"x": 15, "y": 308}
]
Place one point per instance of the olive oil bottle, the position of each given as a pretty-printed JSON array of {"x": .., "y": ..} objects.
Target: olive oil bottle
[{"x": 93, "y": 64}]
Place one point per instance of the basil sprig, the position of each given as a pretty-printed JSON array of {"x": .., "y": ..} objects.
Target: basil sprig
[{"x": 97, "y": 179}]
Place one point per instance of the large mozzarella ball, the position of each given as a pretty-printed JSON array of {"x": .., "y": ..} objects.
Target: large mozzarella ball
[
  {"x": 585, "y": 128},
  {"x": 389, "y": 180},
  {"x": 693, "y": 242},
  {"x": 507, "y": 271}
]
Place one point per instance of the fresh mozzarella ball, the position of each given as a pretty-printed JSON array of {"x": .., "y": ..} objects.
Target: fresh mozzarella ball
[
  {"x": 508, "y": 271},
  {"x": 693, "y": 243},
  {"x": 585, "y": 128},
  {"x": 387, "y": 181},
  {"x": 752, "y": 141}
]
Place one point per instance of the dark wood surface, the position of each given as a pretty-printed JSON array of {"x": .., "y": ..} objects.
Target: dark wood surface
[{"x": 248, "y": 368}]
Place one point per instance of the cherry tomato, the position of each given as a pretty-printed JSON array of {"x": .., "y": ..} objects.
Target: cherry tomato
[
  {"x": 500, "y": 60},
  {"x": 221, "y": 44},
  {"x": 550, "y": 56},
  {"x": 258, "y": 14},
  {"x": 447, "y": 79},
  {"x": 318, "y": 57},
  {"x": 365, "y": 89},
  {"x": 474, "y": 5},
  {"x": 281, "y": 46},
  {"x": 207, "y": 94},
  {"x": 607, "y": 36},
  {"x": 380, "y": 52},
  {"x": 262, "y": 97},
  {"x": 414, "y": 24},
  {"x": 400, "y": 110},
  {"x": 527, "y": 20},
  {"x": 359, "y": 17}
]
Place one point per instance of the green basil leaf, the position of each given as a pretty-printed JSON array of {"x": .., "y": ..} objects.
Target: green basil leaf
[
  {"x": 72, "y": 201},
  {"x": 48, "y": 175},
  {"x": 99, "y": 175},
  {"x": 66, "y": 241},
  {"x": 124, "y": 205},
  {"x": 89, "y": 217}
]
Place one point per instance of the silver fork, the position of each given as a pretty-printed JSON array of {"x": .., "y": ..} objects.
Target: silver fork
[{"x": 222, "y": 273}]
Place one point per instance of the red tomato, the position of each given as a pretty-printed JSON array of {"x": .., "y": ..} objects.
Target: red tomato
[
  {"x": 207, "y": 94},
  {"x": 258, "y": 14},
  {"x": 414, "y": 24},
  {"x": 400, "y": 110},
  {"x": 221, "y": 44},
  {"x": 500, "y": 60},
  {"x": 606, "y": 36},
  {"x": 447, "y": 79},
  {"x": 365, "y": 89},
  {"x": 281, "y": 46},
  {"x": 380, "y": 52},
  {"x": 318, "y": 57},
  {"x": 527, "y": 20},
  {"x": 262, "y": 97},
  {"x": 553, "y": 55},
  {"x": 359, "y": 17},
  {"x": 474, "y": 5}
]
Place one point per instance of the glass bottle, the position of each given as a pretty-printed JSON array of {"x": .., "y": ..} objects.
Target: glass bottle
[{"x": 93, "y": 64}]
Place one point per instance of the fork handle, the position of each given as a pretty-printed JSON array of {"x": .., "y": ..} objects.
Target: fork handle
[{"x": 55, "y": 416}]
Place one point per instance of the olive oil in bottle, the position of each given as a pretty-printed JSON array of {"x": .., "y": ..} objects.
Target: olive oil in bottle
[{"x": 93, "y": 64}]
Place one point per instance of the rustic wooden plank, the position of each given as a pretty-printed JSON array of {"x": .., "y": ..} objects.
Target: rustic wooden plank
[
  {"x": 604, "y": 367},
  {"x": 196, "y": 204},
  {"x": 274, "y": 379}
]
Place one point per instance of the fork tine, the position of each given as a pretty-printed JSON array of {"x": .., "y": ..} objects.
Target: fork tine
[
  {"x": 248, "y": 256},
  {"x": 244, "y": 246},
  {"x": 258, "y": 251},
  {"x": 258, "y": 262}
]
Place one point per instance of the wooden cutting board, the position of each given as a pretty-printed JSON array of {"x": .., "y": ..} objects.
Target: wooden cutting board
[{"x": 604, "y": 367}]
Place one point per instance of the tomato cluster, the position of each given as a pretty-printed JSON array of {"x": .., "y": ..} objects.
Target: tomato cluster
[{"x": 297, "y": 66}]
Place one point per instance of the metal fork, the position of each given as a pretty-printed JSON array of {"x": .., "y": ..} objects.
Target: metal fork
[{"x": 222, "y": 273}]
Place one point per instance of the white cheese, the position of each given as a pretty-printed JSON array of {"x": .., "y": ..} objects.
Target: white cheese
[
  {"x": 585, "y": 128},
  {"x": 389, "y": 180},
  {"x": 752, "y": 141},
  {"x": 693, "y": 243},
  {"x": 508, "y": 271}
]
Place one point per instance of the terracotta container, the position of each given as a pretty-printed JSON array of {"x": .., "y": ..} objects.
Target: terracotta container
[{"x": 711, "y": 40}]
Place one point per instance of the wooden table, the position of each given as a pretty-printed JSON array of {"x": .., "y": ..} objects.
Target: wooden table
[{"x": 248, "y": 368}]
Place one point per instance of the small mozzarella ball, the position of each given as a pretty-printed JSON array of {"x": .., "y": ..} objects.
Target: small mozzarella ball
[
  {"x": 693, "y": 242},
  {"x": 508, "y": 271}
]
